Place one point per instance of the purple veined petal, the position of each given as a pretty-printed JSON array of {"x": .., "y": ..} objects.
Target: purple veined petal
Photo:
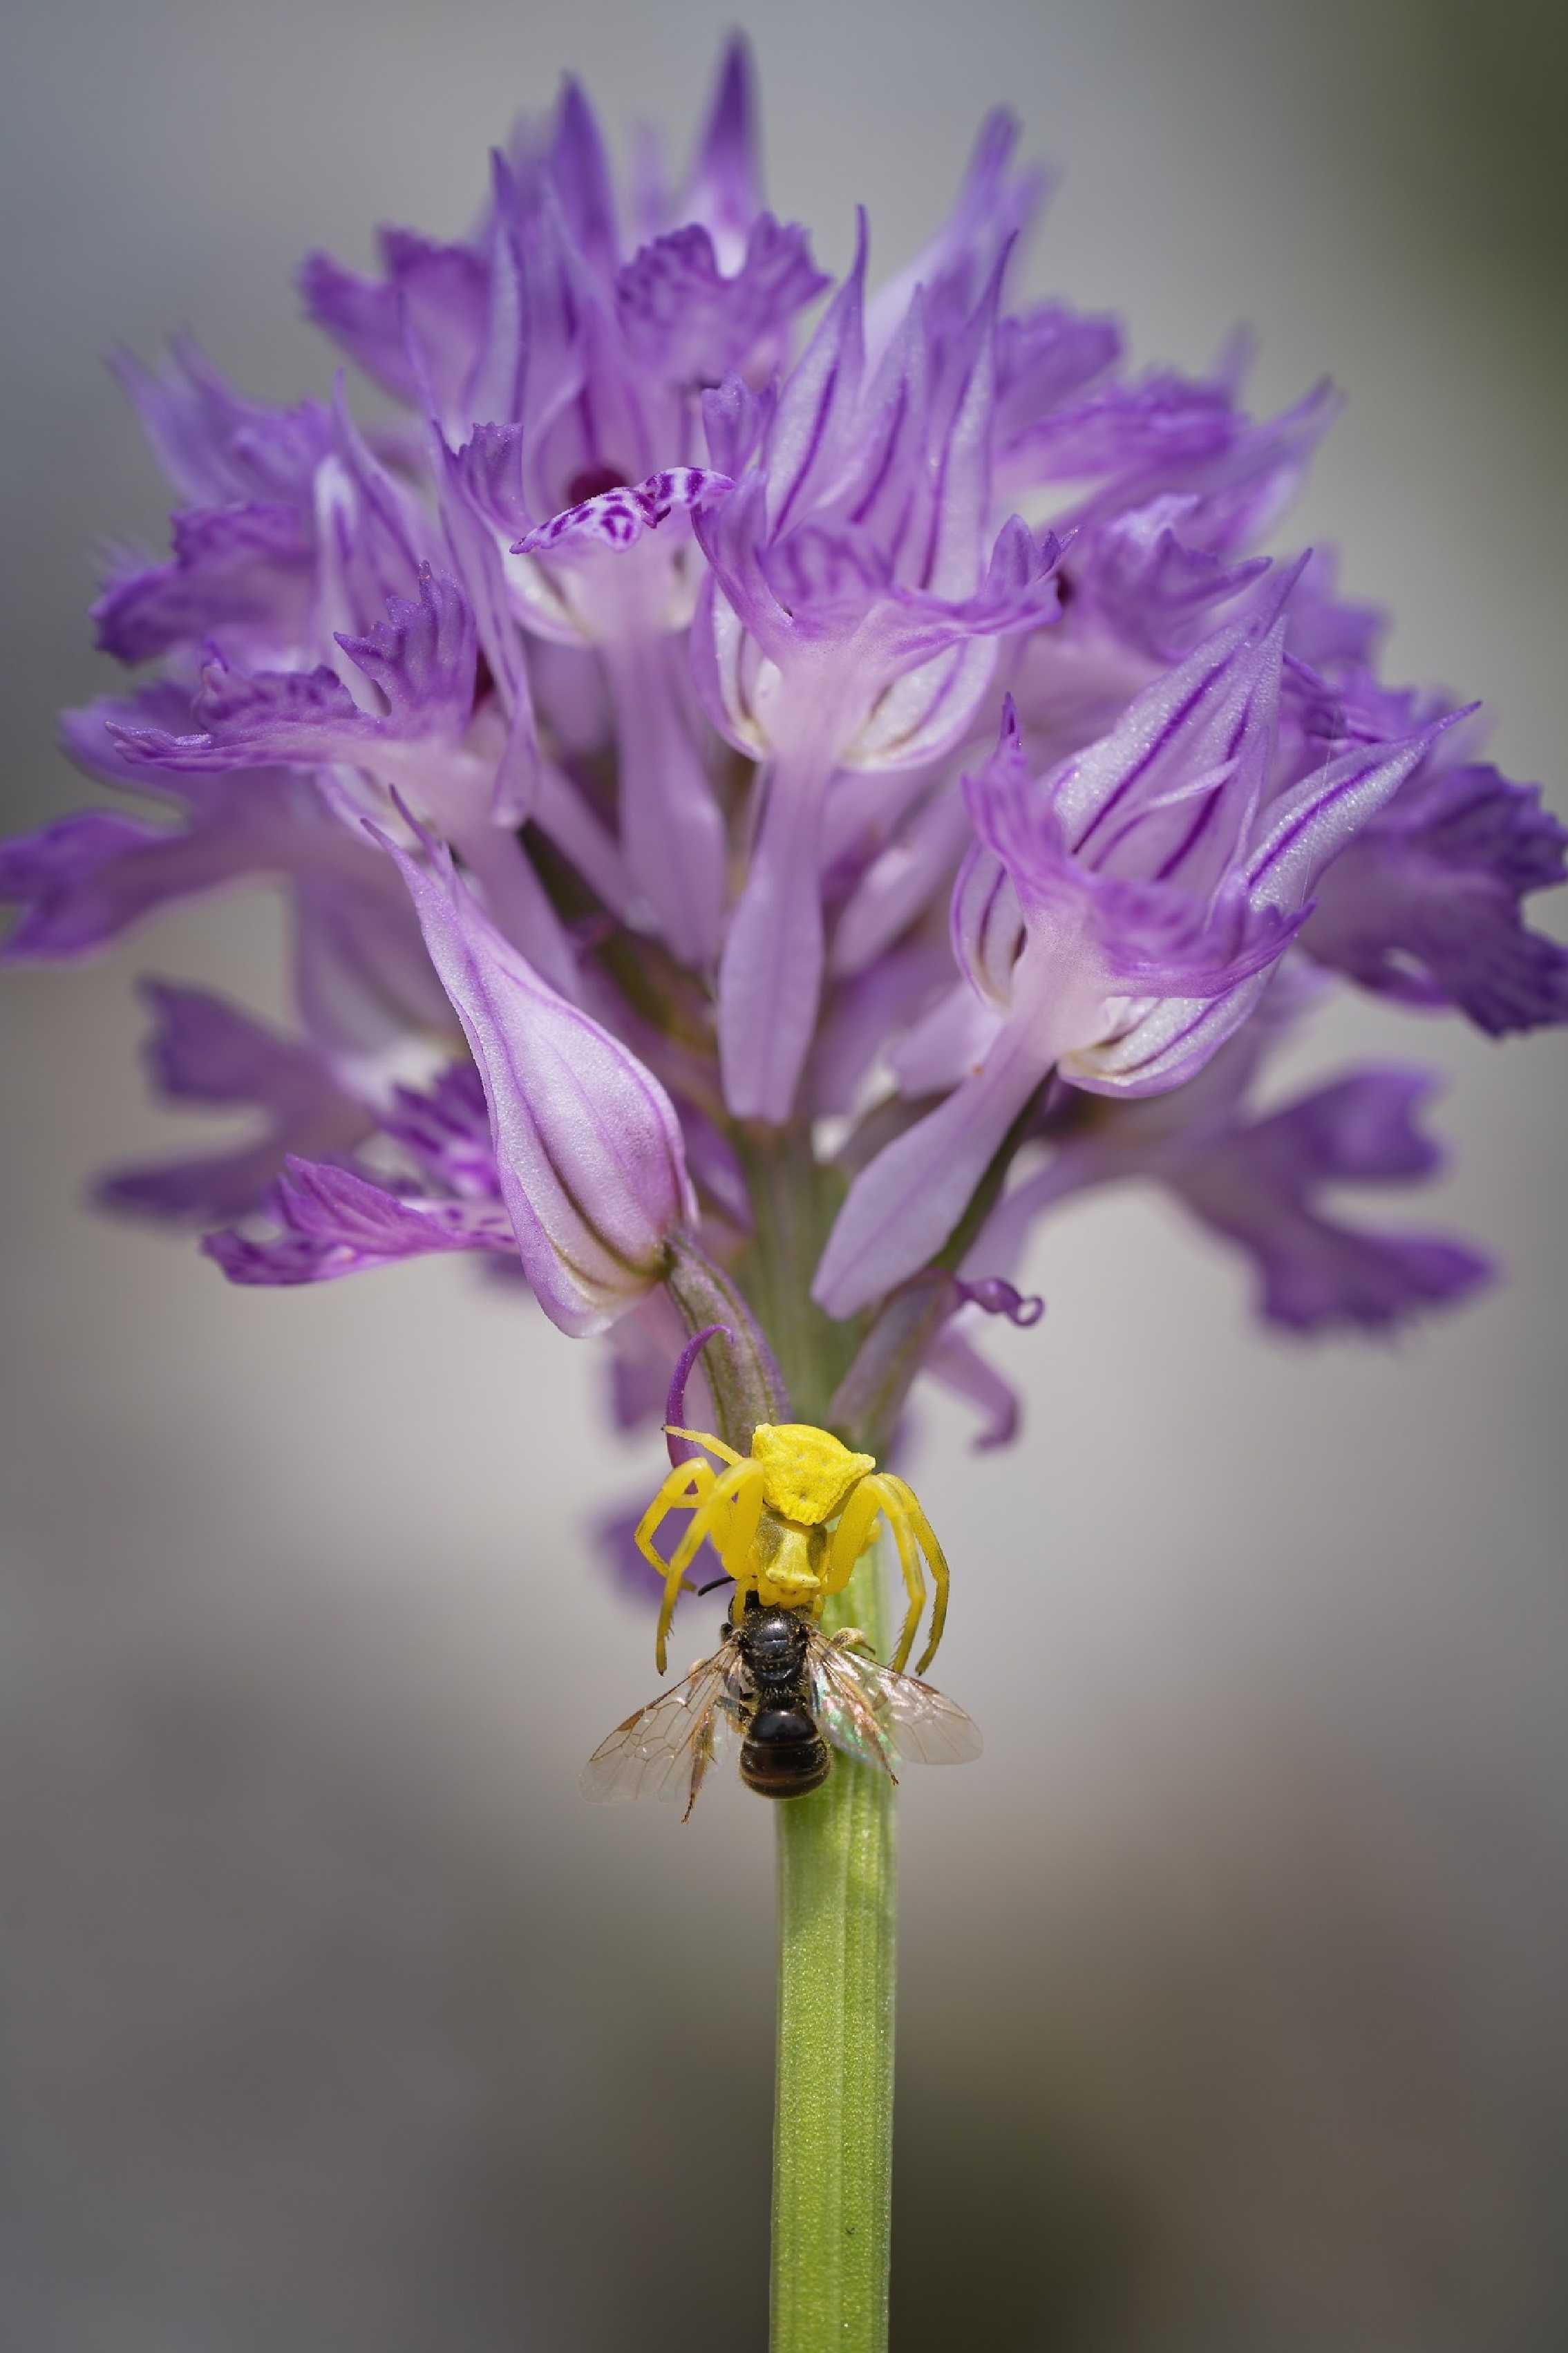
[
  {"x": 993, "y": 207},
  {"x": 960, "y": 491},
  {"x": 727, "y": 669},
  {"x": 334, "y": 1222},
  {"x": 587, "y": 1143},
  {"x": 1161, "y": 1042},
  {"x": 986, "y": 918},
  {"x": 890, "y": 484},
  {"x": 1154, "y": 423},
  {"x": 922, "y": 714},
  {"x": 732, "y": 536},
  {"x": 1310, "y": 825},
  {"x": 1216, "y": 707},
  {"x": 902, "y": 1207},
  {"x": 809, "y": 439},
  {"x": 956, "y": 1364}
]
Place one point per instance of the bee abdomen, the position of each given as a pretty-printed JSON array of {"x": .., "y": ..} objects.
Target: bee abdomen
[{"x": 783, "y": 1754}]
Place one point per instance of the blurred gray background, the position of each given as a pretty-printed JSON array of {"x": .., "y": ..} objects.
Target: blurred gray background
[{"x": 1231, "y": 2011}]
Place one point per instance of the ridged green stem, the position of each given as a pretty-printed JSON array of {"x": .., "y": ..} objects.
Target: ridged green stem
[{"x": 832, "y": 2119}]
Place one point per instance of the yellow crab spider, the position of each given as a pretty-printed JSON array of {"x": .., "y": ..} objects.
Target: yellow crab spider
[{"x": 789, "y": 1521}]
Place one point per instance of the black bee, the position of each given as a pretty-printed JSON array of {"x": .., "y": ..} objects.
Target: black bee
[{"x": 789, "y": 1691}]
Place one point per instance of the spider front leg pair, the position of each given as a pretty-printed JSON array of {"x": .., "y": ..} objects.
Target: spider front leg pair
[
  {"x": 789, "y": 1521},
  {"x": 726, "y": 1508}
]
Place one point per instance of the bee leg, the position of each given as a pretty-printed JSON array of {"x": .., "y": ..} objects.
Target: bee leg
[{"x": 851, "y": 1637}]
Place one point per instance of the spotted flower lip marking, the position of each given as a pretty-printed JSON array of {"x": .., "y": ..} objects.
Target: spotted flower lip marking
[{"x": 706, "y": 809}]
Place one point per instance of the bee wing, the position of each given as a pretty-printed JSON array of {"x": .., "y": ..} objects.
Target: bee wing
[
  {"x": 879, "y": 1716},
  {"x": 664, "y": 1749}
]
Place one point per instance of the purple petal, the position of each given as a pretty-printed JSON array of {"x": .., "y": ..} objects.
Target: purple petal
[
  {"x": 1258, "y": 1186},
  {"x": 214, "y": 445},
  {"x": 770, "y": 975},
  {"x": 809, "y": 437},
  {"x": 334, "y": 1222},
  {"x": 1425, "y": 906},
  {"x": 902, "y": 1207},
  {"x": 432, "y": 297},
  {"x": 689, "y": 323},
  {"x": 237, "y": 570},
  {"x": 205, "y": 1050},
  {"x": 955, "y": 1365},
  {"x": 682, "y": 1450},
  {"x": 586, "y": 1141}
]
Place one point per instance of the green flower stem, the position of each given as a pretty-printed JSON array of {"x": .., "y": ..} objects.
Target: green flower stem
[{"x": 833, "y": 2122}]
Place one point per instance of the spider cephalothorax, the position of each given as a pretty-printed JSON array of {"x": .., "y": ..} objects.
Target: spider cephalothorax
[{"x": 789, "y": 1521}]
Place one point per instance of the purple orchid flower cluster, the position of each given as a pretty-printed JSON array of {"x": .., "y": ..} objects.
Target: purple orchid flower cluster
[{"x": 694, "y": 742}]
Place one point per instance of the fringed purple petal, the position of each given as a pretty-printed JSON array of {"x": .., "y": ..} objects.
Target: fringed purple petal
[
  {"x": 1425, "y": 906},
  {"x": 333, "y": 1222}
]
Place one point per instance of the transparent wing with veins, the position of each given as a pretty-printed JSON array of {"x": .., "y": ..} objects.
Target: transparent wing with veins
[
  {"x": 883, "y": 1718},
  {"x": 664, "y": 1750}
]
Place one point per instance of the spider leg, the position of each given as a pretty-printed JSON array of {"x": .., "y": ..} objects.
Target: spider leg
[
  {"x": 735, "y": 1546},
  {"x": 720, "y": 1492},
  {"x": 936, "y": 1561},
  {"x": 892, "y": 1500},
  {"x": 683, "y": 1491},
  {"x": 853, "y": 1534},
  {"x": 698, "y": 1477},
  {"x": 703, "y": 1438}
]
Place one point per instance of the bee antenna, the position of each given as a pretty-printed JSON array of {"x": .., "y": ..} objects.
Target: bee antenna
[{"x": 718, "y": 1581}]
